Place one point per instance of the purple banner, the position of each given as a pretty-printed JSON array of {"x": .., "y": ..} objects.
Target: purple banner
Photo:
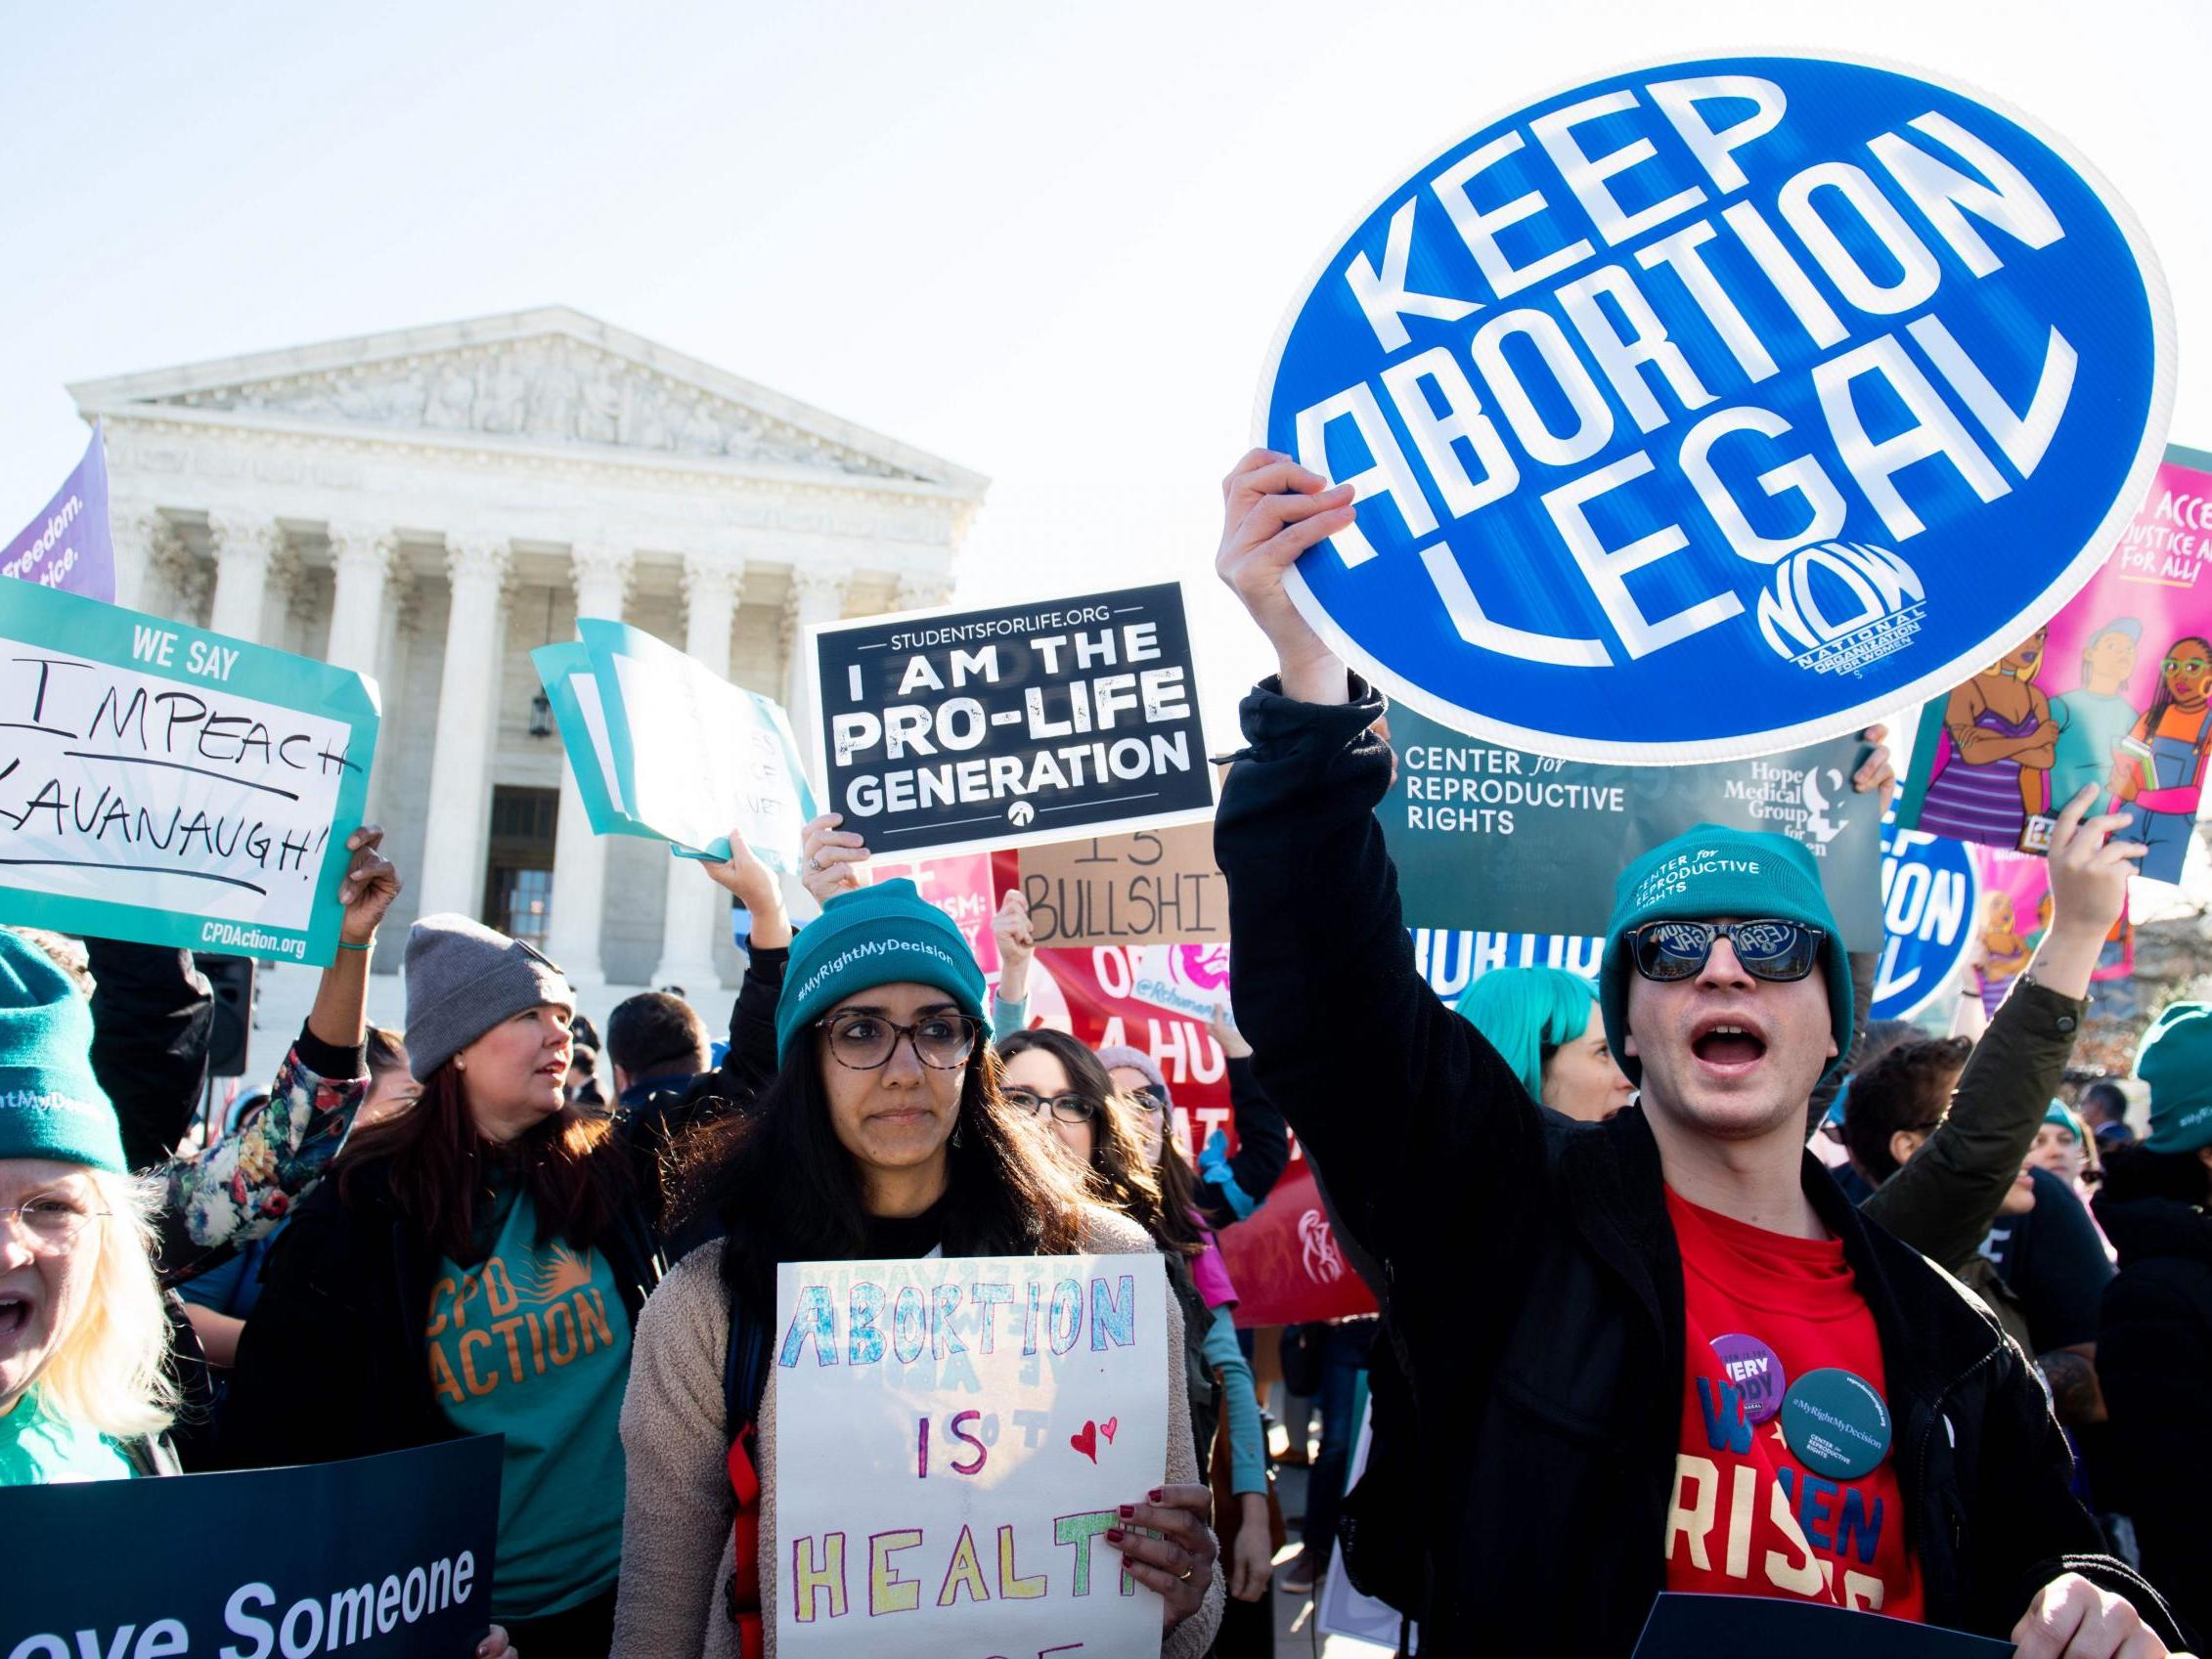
[{"x": 68, "y": 546}]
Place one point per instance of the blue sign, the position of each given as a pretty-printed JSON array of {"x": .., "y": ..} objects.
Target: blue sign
[
  {"x": 1930, "y": 897},
  {"x": 1716, "y": 407}
]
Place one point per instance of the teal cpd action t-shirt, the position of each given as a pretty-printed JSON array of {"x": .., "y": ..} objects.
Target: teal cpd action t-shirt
[
  {"x": 533, "y": 1343},
  {"x": 40, "y": 1449}
]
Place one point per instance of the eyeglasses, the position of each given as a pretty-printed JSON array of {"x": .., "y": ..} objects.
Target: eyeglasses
[
  {"x": 1149, "y": 1100},
  {"x": 2189, "y": 665},
  {"x": 1773, "y": 950},
  {"x": 864, "y": 1042},
  {"x": 1068, "y": 1108},
  {"x": 50, "y": 1223}
]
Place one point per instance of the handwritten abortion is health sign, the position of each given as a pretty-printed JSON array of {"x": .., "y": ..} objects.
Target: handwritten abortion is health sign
[
  {"x": 1713, "y": 408},
  {"x": 168, "y": 785},
  {"x": 953, "y": 1437}
]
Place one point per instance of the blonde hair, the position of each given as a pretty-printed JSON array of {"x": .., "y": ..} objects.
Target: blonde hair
[{"x": 110, "y": 1372}]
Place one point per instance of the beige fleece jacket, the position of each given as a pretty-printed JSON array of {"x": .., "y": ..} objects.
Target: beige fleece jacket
[{"x": 676, "y": 1521}]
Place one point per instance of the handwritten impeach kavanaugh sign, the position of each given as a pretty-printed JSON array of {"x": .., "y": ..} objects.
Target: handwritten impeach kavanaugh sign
[
  {"x": 163, "y": 784},
  {"x": 1715, "y": 407}
]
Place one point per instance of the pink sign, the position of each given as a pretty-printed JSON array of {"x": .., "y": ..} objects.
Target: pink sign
[
  {"x": 960, "y": 885},
  {"x": 2016, "y": 914},
  {"x": 2115, "y": 692}
]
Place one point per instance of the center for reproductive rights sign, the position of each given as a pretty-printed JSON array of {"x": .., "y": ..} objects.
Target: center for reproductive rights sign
[{"x": 1713, "y": 408}]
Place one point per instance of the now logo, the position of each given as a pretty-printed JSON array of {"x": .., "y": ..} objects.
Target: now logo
[{"x": 1830, "y": 592}]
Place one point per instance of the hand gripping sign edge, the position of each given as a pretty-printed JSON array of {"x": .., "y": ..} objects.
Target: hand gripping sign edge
[{"x": 1869, "y": 702}]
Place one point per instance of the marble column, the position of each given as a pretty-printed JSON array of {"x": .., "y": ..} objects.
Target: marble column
[
  {"x": 467, "y": 715},
  {"x": 601, "y": 575},
  {"x": 817, "y": 595},
  {"x": 362, "y": 560},
  {"x": 244, "y": 550},
  {"x": 698, "y": 911},
  {"x": 147, "y": 557}
]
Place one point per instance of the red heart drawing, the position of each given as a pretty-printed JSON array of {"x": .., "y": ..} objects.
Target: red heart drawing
[
  {"x": 1107, "y": 1429},
  {"x": 1087, "y": 1442}
]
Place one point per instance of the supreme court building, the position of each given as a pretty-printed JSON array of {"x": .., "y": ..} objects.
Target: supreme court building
[{"x": 428, "y": 506}]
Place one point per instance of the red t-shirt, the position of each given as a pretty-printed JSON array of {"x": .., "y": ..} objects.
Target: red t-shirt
[{"x": 1747, "y": 1517}]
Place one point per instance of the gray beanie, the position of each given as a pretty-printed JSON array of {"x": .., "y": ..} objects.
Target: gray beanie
[{"x": 463, "y": 979}]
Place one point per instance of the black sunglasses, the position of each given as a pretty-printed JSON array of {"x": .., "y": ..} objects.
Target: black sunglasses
[{"x": 1769, "y": 950}]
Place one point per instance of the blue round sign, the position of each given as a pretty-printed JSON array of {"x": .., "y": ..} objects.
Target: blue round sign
[
  {"x": 1716, "y": 407},
  {"x": 1931, "y": 899}
]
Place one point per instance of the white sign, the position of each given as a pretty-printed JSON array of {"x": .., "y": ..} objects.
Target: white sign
[{"x": 953, "y": 1437}]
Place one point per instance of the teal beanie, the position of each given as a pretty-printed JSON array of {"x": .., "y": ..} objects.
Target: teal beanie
[
  {"x": 1709, "y": 873},
  {"x": 1522, "y": 1010},
  {"x": 2176, "y": 1060},
  {"x": 50, "y": 1105},
  {"x": 876, "y": 935}
]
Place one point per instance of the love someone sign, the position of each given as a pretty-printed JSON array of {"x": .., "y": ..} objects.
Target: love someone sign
[
  {"x": 1713, "y": 408},
  {"x": 952, "y": 1437}
]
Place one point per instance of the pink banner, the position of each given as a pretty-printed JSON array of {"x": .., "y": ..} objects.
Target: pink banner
[
  {"x": 2016, "y": 914},
  {"x": 2115, "y": 692},
  {"x": 960, "y": 887}
]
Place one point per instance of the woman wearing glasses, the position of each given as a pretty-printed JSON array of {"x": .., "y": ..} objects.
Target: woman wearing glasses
[
  {"x": 2160, "y": 769},
  {"x": 883, "y": 1133}
]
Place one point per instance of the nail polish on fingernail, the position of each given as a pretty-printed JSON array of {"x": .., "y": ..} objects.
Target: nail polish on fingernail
[
  {"x": 1114, "y": 1535},
  {"x": 1155, "y": 1495},
  {"x": 1127, "y": 1510}
]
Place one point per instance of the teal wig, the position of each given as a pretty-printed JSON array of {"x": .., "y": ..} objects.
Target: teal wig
[{"x": 1526, "y": 1013}]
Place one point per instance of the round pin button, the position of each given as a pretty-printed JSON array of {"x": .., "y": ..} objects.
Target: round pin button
[
  {"x": 1836, "y": 1424},
  {"x": 1755, "y": 1371}
]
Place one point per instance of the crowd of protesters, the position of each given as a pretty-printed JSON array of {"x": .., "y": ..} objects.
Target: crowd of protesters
[{"x": 1708, "y": 1206}]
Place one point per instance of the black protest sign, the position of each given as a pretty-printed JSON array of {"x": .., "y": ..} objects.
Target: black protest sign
[
  {"x": 1502, "y": 841},
  {"x": 385, "y": 1557},
  {"x": 1697, "y": 1626},
  {"x": 954, "y": 730}
]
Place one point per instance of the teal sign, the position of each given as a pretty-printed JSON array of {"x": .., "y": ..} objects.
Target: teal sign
[{"x": 164, "y": 784}]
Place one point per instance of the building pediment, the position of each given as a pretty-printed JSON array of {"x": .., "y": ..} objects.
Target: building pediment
[{"x": 552, "y": 377}]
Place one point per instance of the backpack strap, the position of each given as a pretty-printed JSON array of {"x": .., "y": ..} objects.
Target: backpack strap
[{"x": 745, "y": 1371}]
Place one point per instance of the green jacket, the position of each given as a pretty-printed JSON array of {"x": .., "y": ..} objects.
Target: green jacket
[{"x": 1943, "y": 1200}]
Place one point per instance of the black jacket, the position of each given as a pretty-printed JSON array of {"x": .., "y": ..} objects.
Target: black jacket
[
  {"x": 2154, "y": 1363},
  {"x": 1531, "y": 1277},
  {"x": 335, "y": 1362}
]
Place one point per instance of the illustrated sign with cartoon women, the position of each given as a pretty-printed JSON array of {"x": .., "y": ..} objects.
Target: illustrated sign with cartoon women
[{"x": 2115, "y": 694}]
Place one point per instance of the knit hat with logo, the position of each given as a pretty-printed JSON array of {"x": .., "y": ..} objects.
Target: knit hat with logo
[
  {"x": 874, "y": 935},
  {"x": 1709, "y": 873},
  {"x": 50, "y": 1105},
  {"x": 2176, "y": 1060}
]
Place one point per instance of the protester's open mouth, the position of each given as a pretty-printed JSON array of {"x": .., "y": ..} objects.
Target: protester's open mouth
[
  {"x": 15, "y": 1315},
  {"x": 1730, "y": 1047}
]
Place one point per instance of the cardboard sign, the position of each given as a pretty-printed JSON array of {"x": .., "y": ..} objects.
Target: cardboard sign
[
  {"x": 1508, "y": 841},
  {"x": 661, "y": 748},
  {"x": 1930, "y": 902},
  {"x": 69, "y": 545},
  {"x": 952, "y": 1437},
  {"x": 1696, "y": 1627},
  {"x": 1716, "y": 407},
  {"x": 386, "y": 1557},
  {"x": 948, "y": 731},
  {"x": 1156, "y": 886},
  {"x": 2115, "y": 692},
  {"x": 172, "y": 786}
]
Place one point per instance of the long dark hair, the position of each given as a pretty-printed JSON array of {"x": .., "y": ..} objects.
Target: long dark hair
[
  {"x": 2162, "y": 699},
  {"x": 1181, "y": 1228},
  {"x": 436, "y": 1165},
  {"x": 2133, "y": 1172},
  {"x": 1119, "y": 1178},
  {"x": 784, "y": 1188}
]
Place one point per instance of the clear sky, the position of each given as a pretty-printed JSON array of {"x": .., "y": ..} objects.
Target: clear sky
[{"x": 1050, "y": 242}]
